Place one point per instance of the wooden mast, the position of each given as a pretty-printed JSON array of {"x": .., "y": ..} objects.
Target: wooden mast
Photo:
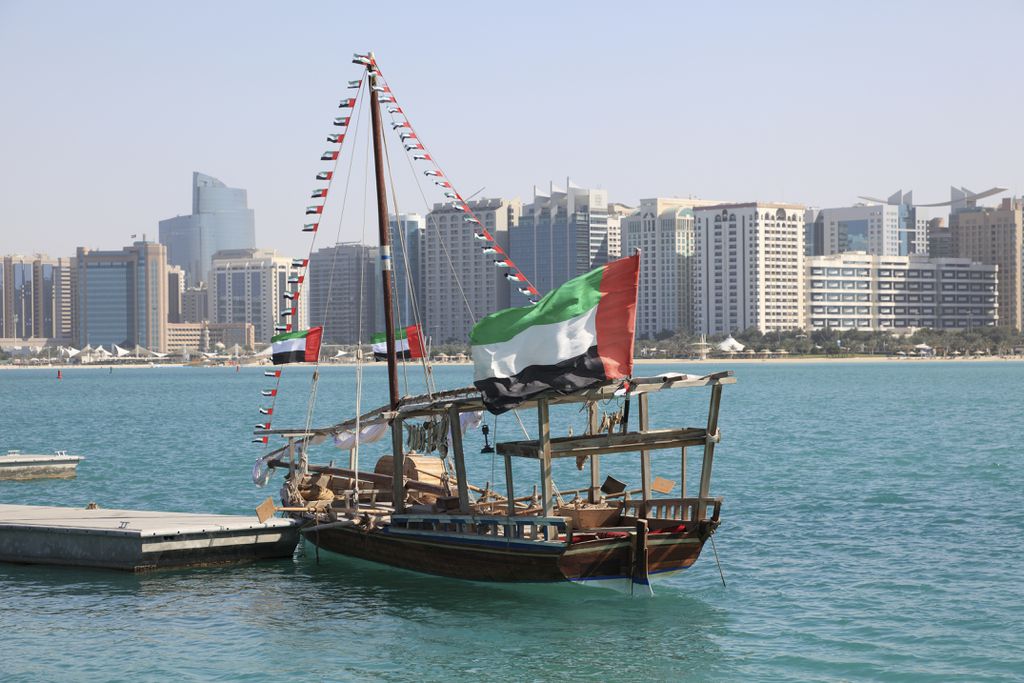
[{"x": 384, "y": 234}]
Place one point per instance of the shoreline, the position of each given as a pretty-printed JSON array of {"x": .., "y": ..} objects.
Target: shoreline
[{"x": 636, "y": 361}]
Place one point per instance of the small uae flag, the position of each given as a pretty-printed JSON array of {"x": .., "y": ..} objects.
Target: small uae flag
[
  {"x": 408, "y": 344},
  {"x": 297, "y": 347}
]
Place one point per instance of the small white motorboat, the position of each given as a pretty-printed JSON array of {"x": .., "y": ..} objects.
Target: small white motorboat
[{"x": 18, "y": 465}]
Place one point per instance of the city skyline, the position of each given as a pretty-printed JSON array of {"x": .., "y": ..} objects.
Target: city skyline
[{"x": 123, "y": 113}]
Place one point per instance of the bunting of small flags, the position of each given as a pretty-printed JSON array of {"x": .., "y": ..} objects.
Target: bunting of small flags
[
  {"x": 325, "y": 175},
  {"x": 407, "y": 134}
]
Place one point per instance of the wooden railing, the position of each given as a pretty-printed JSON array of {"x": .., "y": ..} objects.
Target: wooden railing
[
  {"x": 683, "y": 509},
  {"x": 518, "y": 528}
]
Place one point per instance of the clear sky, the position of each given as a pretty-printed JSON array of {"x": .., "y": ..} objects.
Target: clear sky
[{"x": 108, "y": 107}]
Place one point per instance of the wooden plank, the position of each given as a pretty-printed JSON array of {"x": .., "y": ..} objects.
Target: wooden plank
[
  {"x": 398, "y": 466},
  {"x": 455, "y": 428},
  {"x": 594, "y": 495},
  {"x": 709, "y": 451},
  {"x": 544, "y": 430},
  {"x": 682, "y": 475},
  {"x": 510, "y": 486},
  {"x": 572, "y": 446},
  {"x": 645, "y": 455}
]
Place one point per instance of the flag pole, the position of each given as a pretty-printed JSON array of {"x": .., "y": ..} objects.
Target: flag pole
[{"x": 384, "y": 232}]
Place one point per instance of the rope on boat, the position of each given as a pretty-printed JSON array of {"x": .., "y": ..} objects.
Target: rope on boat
[{"x": 715, "y": 549}]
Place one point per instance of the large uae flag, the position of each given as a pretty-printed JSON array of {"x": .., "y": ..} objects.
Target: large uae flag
[
  {"x": 577, "y": 335},
  {"x": 297, "y": 347},
  {"x": 408, "y": 344}
]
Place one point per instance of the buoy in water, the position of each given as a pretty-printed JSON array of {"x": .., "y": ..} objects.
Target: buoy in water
[{"x": 59, "y": 375}]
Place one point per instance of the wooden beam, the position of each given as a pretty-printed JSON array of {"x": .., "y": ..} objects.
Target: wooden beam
[
  {"x": 460, "y": 458},
  {"x": 594, "y": 495},
  {"x": 572, "y": 446},
  {"x": 510, "y": 486},
  {"x": 544, "y": 451},
  {"x": 645, "y": 456},
  {"x": 398, "y": 463},
  {"x": 709, "y": 450},
  {"x": 682, "y": 474}
]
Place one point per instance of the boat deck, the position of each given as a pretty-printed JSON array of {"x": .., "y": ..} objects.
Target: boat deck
[{"x": 136, "y": 540}]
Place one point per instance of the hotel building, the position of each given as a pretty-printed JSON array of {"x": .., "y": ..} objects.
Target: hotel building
[
  {"x": 248, "y": 286},
  {"x": 859, "y": 291},
  {"x": 748, "y": 267},
  {"x": 662, "y": 229},
  {"x": 122, "y": 296},
  {"x": 994, "y": 235},
  {"x": 456, "y": 274}
]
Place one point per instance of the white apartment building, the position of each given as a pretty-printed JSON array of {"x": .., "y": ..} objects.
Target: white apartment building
[
  {"x": 862, "y": 291},
  {"x": 248, "y": 286},
  {"x": 662, "y": 229},
  {"x": 617, "y": 212},
  {"x": 456, "y": 273},
  {"x": 748, "y": 267}
]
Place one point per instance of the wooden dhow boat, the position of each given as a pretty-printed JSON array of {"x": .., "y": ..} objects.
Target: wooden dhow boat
[
  {"x": 417, "y": 509},
  {"x": 429, "y": 521}
]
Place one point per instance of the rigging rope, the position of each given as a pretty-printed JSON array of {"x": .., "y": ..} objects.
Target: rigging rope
[
  {"x": 303, "y": 264},
  {"x": 410, "y": 290}
]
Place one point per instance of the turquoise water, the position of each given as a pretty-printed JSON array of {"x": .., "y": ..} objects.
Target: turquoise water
[{"x": 873, "y": 529}]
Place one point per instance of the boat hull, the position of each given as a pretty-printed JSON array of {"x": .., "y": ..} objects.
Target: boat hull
[
  {"x": 23, "y": 467},
  {"x": 493, "y": 559}
]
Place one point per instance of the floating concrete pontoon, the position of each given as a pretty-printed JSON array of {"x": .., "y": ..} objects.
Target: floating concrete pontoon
[
  {"x": 133, "y": 540},
  {"x": 17, "y": 465}
]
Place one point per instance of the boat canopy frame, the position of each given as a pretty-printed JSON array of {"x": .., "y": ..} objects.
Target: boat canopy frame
[{"x": 544, "y": 449}]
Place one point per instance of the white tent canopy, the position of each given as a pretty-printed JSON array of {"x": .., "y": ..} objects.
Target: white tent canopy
[{"x": 730, "y": 345}]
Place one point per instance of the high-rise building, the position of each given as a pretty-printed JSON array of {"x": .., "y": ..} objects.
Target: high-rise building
[
  {"x": 460, "y": 284},
  {"x": 406, "y": 235},
  {"x": 662, "y": 229},
  {"x": 748, "y": 267},
  {"x": 858, "y": 291},
  {"x": 248, "y": 286},
  {"x": 195, "y": 306},
  {"x": 122, "y": 296},
  {"x": 895, "y": 228},
  {"x": 814, "y": 232},
  {"x": 220, "y": 220},
  {"x": 36, "y": 297},
  {"x": 996, "y": 236},
  {"x": 940, "y": 239},
  {"x": 343, "y": 292},
  {"x": 561, "y": 234},
  {"x": 175, "y": 290},
  {"x": 617, "y": 212}
]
